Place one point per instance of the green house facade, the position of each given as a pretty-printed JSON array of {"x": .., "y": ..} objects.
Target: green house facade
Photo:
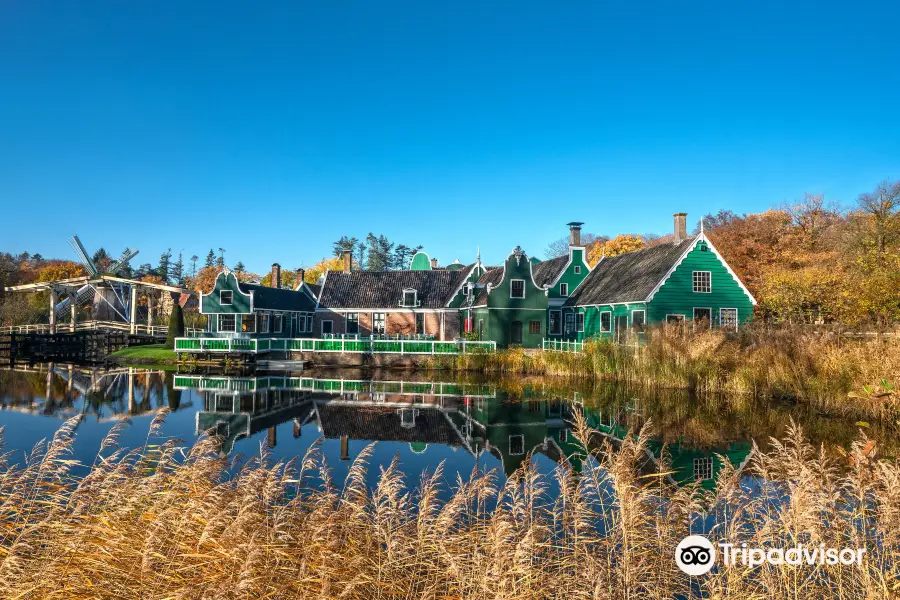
[
  {"x": 237, "y": 309},
  {"x": 682, "y": 282}
]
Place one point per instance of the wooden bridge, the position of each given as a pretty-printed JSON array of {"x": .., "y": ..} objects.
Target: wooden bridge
[{"x": 90, "y": 345}]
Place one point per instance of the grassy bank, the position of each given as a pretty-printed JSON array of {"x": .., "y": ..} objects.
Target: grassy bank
[
  {"x": 153, "y": 524},
  {"x": 849, "y": 376},
  {"x": 152, "y": 354}
]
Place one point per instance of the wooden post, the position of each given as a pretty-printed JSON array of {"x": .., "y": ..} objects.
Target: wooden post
[
  {"x": 133, "y": 315},
  {"x": 345, "y": 447},
  {"x": 149, "y": 313},
  {"x": 53, "y": 299},
  {"x": 271, "y": 439},
  {"x": 130, "y": 391},
  {"x": 73, "y": 305}
]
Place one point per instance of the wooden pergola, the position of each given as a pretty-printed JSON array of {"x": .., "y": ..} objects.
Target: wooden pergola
[{"x": 69, "y": 288}]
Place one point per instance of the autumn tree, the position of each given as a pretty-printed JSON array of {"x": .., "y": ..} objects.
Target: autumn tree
[
  {"x": 318, "y": 270},
  {"x": 560, "y": 247},
  {"x": 626, "y": 242}
]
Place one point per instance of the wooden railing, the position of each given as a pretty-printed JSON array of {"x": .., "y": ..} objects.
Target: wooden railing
[
  {"x": 365, "y": 346},
  {"x": 44, "y": 328},
  {"x": 563, "y": 346}
]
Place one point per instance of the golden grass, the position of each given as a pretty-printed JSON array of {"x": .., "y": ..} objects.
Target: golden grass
[
  {"x": 163, "y": 522},
  {"x": 823, "y": 369}
]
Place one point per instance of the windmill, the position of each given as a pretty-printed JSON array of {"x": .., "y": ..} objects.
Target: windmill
[{"x": 109, "y": 299}]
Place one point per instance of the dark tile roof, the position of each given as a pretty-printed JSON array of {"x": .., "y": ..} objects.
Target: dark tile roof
[
  {"x": 546, "y": 271},
  {"x": 377, "y": 423},
  {"x": 628, "y": 277},
  {"x": 315, "y": 288},
  {"x": 384, "y": 289},
  {"x": 269, "y": 298},
  {"x": 493, "y": 276}
]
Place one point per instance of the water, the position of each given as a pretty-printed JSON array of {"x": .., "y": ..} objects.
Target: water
[{"x": 466, "y": 422}]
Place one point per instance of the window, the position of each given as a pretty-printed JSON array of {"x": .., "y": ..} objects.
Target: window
[
  {"x": 534, "y": 327},
  {"x": 309, "y": 323},
  {"x": 248, "y": 324},
  {"x": 480, "y": 329},
  {"x": 226, "y": 297},
  {"x": 637, "y": 320},
  {"x": 516, "y": 445},
  {"x": 702, "y": 282},
  {"x": 578, "y": 270},
  {"x": 378, "y": 323},
  {"x": 467, "y": 289},
  {"x": 579, "y": 322},
  {"x": 570, "y": 323},
  {"x": 703, "y": 468},
  {"x": 264, "y": 323},
  {"x": 327, "y": 327},
  {"x": 564, "y": 289},
  {"x": 420, "y": 322},
  {"x": 728, "y": 318},
  {"x": 555, "y": 322},
  {"x": 353, "y": 323},
  {"x": 278, "y": 323},
  {"x": 410, "y": 298},
  {"x": 227, "y": 323},
  {"x": 702, "y": 318},
  {"x": 674, "y": 319},
  {"x": 517, "y": 288},
  {"x": 564, "y": 435},
  {"x": 605, "y": 321}
]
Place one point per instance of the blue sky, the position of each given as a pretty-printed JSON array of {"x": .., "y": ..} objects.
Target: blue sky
[{"x": 271, "y": 129}]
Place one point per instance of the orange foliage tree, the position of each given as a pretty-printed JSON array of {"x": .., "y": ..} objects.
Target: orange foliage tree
[{"x": 626, "y": 242}]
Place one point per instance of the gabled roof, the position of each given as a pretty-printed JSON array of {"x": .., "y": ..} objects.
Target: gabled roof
[
  {"x": 384, "y": 289},
  {"x": 548, "y": 271},
  {"x": 269, "y": 298},
  {"x": 493, "y": 276},
  {"x": 629, "y": 277}
]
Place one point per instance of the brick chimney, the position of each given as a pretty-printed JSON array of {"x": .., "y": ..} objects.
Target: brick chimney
[
  {"x": 680, "y": 226},
  {"x": 575, "y": 233},
  {"x": 301, "y": 277},
  {"x": 348, "y": 260},
  {"x": 276, "y": 275},
  {"x": 434, "y": 263}
]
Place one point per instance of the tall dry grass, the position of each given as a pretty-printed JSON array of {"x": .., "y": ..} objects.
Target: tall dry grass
[
  {"x": 164, "y": 522},
  {"x": 836, "y": 374}
]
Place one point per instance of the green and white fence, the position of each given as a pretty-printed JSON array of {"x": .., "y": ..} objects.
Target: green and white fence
[
  {"x": 362, "y": 345},
  {"x": 563, "y": 346}
]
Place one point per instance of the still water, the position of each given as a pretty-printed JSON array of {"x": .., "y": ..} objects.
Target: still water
[{"x": 467, "y": 423}]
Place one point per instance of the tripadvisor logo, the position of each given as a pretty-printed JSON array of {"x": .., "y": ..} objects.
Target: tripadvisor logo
[{"x": 696, "y": 555}]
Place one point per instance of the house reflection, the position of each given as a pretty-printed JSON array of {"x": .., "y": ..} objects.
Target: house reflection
[{"x": 479, "y": 419}]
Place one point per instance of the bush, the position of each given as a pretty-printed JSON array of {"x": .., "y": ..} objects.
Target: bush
[{"x": 176, "y": 325}]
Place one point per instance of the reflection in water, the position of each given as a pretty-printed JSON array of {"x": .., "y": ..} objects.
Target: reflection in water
[
  {"x": 511, "y": 426},
  {"x": 65, "y": 391}
]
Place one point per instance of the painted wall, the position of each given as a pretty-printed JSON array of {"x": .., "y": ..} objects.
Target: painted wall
[
  {"x": 209, "y": 303},
  {"x": 592, "y": 320},
  {"x": 577, "y": 262}
]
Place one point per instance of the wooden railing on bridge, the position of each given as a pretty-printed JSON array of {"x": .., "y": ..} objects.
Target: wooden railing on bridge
[
  {"x": 45, "y": 329},
  {"x": 361, "y": 345}
]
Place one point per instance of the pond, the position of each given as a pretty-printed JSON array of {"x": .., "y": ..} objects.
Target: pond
[{"x": 466, "y": 422}]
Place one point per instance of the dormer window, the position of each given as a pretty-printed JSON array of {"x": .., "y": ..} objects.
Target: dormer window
[
  {"x": 517, "y": 288},
  {"x": 410, "y": 298},
  {"x": 467, "y": 289},
  {"x": 226, "y": 297},
  {"x": 577, "y": 270},
  {"x": 564, "y": 289}
]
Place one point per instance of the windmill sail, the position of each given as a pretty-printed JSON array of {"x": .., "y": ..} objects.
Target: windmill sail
[
  {"x": 117, "y": 266},
  {"x": 82, "y": 254}
]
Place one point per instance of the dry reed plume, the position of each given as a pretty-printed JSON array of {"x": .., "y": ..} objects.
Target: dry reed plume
[{"x": 164, "y": 522}]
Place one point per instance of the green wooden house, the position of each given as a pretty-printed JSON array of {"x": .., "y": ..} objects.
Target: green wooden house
[
  {"x": 683, "y": 281},
  {"x": 237, "y": 309}
]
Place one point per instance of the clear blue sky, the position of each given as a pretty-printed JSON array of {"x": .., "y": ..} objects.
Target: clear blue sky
[{"x": 273, "y": 128}]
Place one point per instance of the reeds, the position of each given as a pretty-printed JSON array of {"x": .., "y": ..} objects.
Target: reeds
[
  {"x": 165, "y": 522},
  {"x": 821, "y": 368}
]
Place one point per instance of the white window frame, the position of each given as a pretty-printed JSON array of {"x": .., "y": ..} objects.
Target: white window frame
[
  {"x": 322, "y": 327},
  {"x": 540, "y": 327},
  {"x": 694, "y": 315},
  {"x": 384, "y": 322},
  {"x": 511, "y": 282},
  {"x": 415, "y": 295},
  {"x": 694, "y": 275},
  {"x": 736, "y": 319},
  {"x": 559, "y": 322},
  {"x": 609, "y": 325},
  {"x": 579, "y": 328},
  {"x": 578, "y": 269},
  {"x": 681, "y": 317},
  {"x": 563, "y": 435},
  {"x": 701, "y": 467},
  {"x": 521, "y": 437},
  {"x": 219, "y": 323},
  {"x": 564, "y": 289},
  {"x": 277, "y": 323},
  {"x": 264, "y": 319},
  {"x": 416, "y": 317},
  {"x": 348, "y": 320},
  {"x": 643, "y": 312},
  {"x": 222, "y": 302}
]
